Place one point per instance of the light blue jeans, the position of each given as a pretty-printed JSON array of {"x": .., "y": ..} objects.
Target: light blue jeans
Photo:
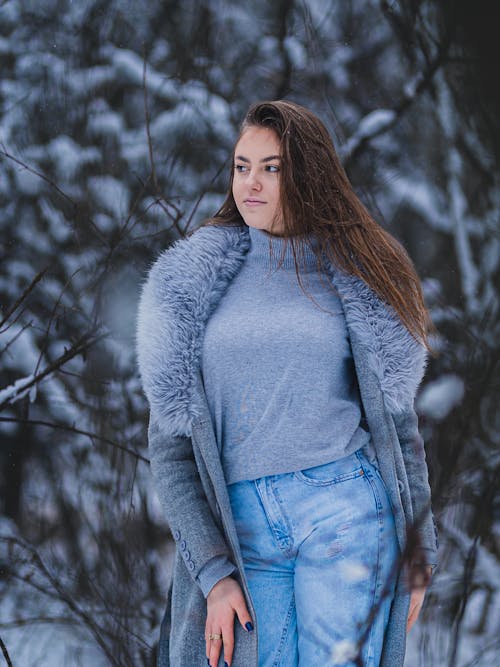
[{"x": 320, "y": 554}]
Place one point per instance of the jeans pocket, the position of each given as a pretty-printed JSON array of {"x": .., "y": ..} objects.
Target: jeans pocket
[{"x": 334, "y": 472}]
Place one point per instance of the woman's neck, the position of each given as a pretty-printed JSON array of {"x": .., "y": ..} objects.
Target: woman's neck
[{"x": 263, "y": 241}]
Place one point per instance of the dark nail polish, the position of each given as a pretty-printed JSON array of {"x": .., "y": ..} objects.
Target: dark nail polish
[
  {"x": 249, "y": 626},
  {"x": 225, "y": 664}
]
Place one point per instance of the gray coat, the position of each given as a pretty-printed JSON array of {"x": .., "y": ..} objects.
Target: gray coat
[{"x": 182, "y": 289}]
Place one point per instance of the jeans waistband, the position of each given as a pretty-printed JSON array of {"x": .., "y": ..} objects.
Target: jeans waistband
[{"x": 346, "y": 464}]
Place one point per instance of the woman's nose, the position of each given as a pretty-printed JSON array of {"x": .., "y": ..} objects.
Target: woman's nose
[{"x": 254, "y": 181}]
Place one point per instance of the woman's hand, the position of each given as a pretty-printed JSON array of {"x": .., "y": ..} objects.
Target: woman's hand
[
  {"x": 224, "y": 600},
  {"x": 416, "y": 602},
  {"x": 419, "y": 587}
]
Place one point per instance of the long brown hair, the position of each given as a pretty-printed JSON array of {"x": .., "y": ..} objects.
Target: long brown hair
[{"x": 317, "y": 199}]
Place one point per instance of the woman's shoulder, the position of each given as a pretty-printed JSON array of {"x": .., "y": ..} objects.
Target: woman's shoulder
[
  {"x": 188, "y": 263},
  {"x": 185, "y": 244},
  {"x": 194, "y": 247}
]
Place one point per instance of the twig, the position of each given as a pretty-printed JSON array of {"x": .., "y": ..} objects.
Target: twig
[
  {"x": 23, "y": 296},
  {"x": 45, "y": 341},
  {"x": 5, "y": 653},
  {"x": 54, "y": 185},
  {"x": 160, "y": 198},
  {"x": 81, "y": 345},
  {"x": 63, "y": 595},
  {"x": 148, "y": 133},
  {"x": 420, "y": 82},
  {"x": 73, "y": 429}
]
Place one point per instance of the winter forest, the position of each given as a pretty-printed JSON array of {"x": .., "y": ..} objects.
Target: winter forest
[{"x": 116, "y": 123}]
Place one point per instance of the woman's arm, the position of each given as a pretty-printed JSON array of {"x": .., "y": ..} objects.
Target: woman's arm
[
  {"x": 412, "y": 448},
  {"x": 186, "y": 509},
  {"x": 425, "y": 557},
  {"x": 417, "y": 600}
]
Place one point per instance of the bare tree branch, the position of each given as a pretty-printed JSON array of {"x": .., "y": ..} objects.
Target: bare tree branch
[
  {"x": 63, "y": 595},
  {"x": 23, "y": 296},
  {"x": 5, "y": 653},
  {"x": 379, "y": 122},
  {"x": 78, "y": 431},
  {"x": 53, "y": 185},
  {"x": 14, "y": 393}
]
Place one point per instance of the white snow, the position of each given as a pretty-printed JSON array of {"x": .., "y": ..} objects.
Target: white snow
[
  {"x": 17, "y": 390},
  {"x": 438, "y": 398},
  {"x": 107, "y": 123},
  {"x": 354, "y": 570},
  {"x": 129, "y": 67},
  {"x": 69, "y": 158},
  {"x": 59, "y": 228},
  {"x": 27, "y": 182},
  {"x": 374, "y": 122},
  {"x": 110, "y": 194},
  {"x": 343, "y": 651},
  {"x": 296, "y": 51}
]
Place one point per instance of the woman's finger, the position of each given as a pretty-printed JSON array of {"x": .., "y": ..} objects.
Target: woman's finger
[
  {"x": 243, "y": 616},
  {"x": 214, "y": 650},
  {"x": 208, "y": 643},
  {"x": 416, "y": 601},
  {"x": 228, "y": 643},
  {"x": 410, "y": 620},
  {"x": 224, "y": 600}
]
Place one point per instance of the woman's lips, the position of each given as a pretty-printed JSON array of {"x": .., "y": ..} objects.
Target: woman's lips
[{"x": 254, "y": 202}]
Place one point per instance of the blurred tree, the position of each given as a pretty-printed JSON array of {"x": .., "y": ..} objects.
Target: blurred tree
[
  {"x": 465, "y": 438},
  {"x": 116, "y": 122}
]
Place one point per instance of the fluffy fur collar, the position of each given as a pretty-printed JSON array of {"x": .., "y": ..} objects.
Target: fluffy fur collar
[{"x": 183, "y": 288}]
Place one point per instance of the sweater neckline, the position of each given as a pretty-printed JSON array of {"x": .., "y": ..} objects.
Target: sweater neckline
[{"x": 262, "y": 242}]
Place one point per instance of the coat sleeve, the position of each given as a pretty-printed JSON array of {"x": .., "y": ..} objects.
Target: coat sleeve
[
  {"x": 413, "y": 451},
  {"x": 202, "y": 545}
]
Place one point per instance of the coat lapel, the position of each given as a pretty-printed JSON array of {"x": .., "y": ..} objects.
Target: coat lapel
[{"x": 184, "y": 287}]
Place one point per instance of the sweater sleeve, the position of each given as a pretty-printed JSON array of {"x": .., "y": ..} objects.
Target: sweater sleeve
[
  {"x": 212, "y": 572},
  {"x": 186, "y": 509}
]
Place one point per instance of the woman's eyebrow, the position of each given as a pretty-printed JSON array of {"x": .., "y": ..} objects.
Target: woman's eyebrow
[{"x": 264, "y": 159}]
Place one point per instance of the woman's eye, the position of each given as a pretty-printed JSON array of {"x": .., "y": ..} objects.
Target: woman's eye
[{"x": 270, "y": 168}]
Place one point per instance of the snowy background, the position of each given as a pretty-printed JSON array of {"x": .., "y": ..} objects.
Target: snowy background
[{"x": 116, "y": 121}]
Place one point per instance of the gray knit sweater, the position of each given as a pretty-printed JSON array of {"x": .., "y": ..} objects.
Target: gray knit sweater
[{"x": 276, "y": 406}]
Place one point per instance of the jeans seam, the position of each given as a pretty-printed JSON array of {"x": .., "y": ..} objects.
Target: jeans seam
[
  {"x": 378, "y": 503},
  {"x": 289, "y": 539},
  {"x": 272, "y": 521},
  {"x": 291, "y": 607},
  {"x": 344, "y": 477}
]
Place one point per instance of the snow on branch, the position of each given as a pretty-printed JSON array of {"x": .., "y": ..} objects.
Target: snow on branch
[{"x": 379, "y": 121}]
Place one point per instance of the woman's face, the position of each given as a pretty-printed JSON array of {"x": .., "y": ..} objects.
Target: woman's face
[{"x": 256, "y": 179}]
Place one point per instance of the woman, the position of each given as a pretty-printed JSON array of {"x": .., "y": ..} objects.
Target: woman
[{"x": 283, "y": 437}]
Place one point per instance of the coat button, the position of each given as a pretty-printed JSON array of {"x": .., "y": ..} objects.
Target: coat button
[
  {"x": 190, "y": 565},
  {"x": 182, "y": 544},
  {"x": 186, "y": 555},
  {"x": 401, "y": 486},
  {"x": 177, "y": 535}
]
